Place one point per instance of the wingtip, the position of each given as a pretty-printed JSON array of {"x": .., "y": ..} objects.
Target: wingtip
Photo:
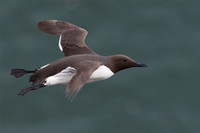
[
  {"x": 49, "y": 26},
  {"x": 71, "y": 95}
]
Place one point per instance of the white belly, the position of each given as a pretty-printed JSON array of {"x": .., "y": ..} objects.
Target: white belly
[{"x": 101, "y": 73}]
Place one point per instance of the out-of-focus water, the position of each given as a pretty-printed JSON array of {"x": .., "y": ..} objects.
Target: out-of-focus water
[{"x": 163, "y": 98}]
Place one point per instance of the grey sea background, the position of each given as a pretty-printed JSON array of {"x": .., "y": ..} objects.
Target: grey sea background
[{"x": 163, "y": 98}]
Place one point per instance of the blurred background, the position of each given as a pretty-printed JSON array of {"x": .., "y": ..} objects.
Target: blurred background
[{"x": 163, "y": 98}]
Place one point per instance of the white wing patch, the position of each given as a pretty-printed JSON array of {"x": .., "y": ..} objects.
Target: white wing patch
[
  {"x": 44, "y": 66},
  {"x": 62, "y": 77},
  {"x": 59, "y": 44}
]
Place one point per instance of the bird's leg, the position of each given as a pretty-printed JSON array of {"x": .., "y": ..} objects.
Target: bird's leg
[
  {"x": 20, "y": 72},
  {"x": 24, "y": 91}
]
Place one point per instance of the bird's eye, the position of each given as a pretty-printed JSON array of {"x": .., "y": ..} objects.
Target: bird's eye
[{"x": 125, "y": 60}]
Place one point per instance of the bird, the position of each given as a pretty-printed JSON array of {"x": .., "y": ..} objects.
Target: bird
[{"x": 80, "y": 64}]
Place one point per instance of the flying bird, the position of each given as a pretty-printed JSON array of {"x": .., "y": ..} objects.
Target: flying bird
[{"x": 79, "y": 66}]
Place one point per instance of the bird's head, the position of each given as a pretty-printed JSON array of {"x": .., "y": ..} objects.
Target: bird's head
[{"x": 120, "y": 62}]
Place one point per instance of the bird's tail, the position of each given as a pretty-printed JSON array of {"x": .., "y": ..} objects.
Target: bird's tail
[{"x": 20, "y": 72}]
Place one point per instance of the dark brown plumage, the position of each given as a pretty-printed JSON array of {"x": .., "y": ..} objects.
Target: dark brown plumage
[
  {"x": 80, "y": 64},
  {"x": 72, "y": 37}
]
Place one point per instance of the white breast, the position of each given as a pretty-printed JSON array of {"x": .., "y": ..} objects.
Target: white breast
[{"x": 101, "y": 73}]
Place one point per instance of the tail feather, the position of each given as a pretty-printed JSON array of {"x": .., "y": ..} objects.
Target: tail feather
[{"x": 19, "y": 72}]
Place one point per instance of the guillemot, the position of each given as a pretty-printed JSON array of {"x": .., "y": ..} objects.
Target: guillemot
[{"x": 79, "y": 66}]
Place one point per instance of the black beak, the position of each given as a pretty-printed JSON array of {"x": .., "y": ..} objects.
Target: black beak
[{"x": 139, "y": 65}]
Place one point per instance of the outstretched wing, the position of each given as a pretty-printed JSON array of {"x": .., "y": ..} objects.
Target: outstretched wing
[
  {"x": 72, "y": 37},
  {"x": 80, "y": 78}
]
